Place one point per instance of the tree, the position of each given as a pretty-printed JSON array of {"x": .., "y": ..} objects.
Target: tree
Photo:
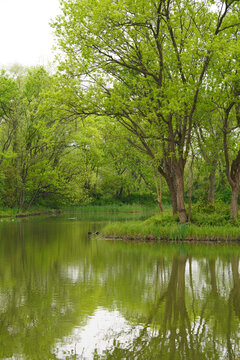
[
  {"x": 225, "y": 97},
  {"x": 208, "y": 141},
  {"x": 36, "y": 140},
  {"x": 145, "y": 64}
]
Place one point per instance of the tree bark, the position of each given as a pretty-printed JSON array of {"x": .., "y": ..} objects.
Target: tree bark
[
  {"x": 160, "y": 195},
  {"x": 233, "y": 175},
  {"x": 180, "y": 197},
  {"x": 234, "y": 201},
  {"x": 190, "y": 191},
  {"x": 173, "y": 195},
  {"x": 158, "y": 189}
]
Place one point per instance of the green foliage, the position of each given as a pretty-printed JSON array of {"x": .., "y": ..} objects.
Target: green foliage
[
  {"x": 153, "y": 103},
  {"x": 214, "y": 214},
  {"x": 40, "y": 159},
  {"x": 156, "y": 71},
  {"x": 165, "y": 218}
]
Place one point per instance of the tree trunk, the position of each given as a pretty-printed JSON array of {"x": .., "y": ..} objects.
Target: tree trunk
[
  {"x": 119, "y": 192},
  {"x": 189, "y": 203},
  {"x": 211, "y": 191},
  {"x": 158, "y": 189},
  {"x": 180, "y": 197},
  {"x": 234, "y": 201},
  {"x": 190, "y": 191},
  {"x": 33, "y": 198},
  {"x": 172, "y": 192}
]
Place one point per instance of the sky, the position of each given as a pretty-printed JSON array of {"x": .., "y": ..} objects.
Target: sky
[{"x": 25, "y": 35}]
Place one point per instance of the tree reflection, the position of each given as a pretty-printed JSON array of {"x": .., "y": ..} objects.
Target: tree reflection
[
  {"x": 54, "y": 278},
  {"x": 180, "y": 328}
]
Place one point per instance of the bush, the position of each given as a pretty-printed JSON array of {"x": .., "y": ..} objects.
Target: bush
[
  {"x": 205, "y": 213},
  {"x": 162, "y": 219}
]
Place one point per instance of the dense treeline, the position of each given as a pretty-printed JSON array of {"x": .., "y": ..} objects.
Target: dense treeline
[
  {"x": 146, "y": 102},
  {"x": 50, "y": 155}
]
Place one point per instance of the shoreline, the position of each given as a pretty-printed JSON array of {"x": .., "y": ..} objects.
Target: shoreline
[
  {"x": 39, "y": 213},
  {"x": 5, "y": 214}
]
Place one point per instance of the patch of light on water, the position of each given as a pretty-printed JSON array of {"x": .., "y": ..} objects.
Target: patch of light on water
[
  {"x": 99, "y": 333},
  {"x": 202, "y": 284},
  {"x": 72, "y": 273}
]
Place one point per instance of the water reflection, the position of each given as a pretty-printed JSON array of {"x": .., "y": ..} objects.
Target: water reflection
[{"x": 65, "y": 296}]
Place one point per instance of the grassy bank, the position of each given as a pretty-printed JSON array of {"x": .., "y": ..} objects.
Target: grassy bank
[
  {"x": 94, "y": 211},
  {"x": 35, "y": 211},
  {"x": 113, "y": 208},
  {"x": 188, "y": 232},
  {"x": 112, "y": 212},
  {"x": 210, "y": 222}
]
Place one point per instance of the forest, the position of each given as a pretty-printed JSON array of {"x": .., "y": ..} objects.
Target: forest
[{"x": 141, "y": 107}]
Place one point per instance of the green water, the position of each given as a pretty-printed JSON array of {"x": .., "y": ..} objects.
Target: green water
[{"x": 64, "y": 295}]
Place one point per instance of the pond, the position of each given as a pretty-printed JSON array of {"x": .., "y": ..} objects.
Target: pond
[{"x": 66, "y": 295}]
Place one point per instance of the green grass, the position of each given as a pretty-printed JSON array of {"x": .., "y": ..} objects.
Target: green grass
[
  {"x": 6, "y": 212},
  {"x": 128, "y": 208},
  {"x": 100, "y": 212},
  {"x": 175, "y": 232},
  {"x": 112, "y": 212},
  {"x": 36, "y": 210},
  {"x": 210, "y": 222}
]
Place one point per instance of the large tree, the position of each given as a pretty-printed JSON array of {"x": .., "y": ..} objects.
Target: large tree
[{"x": 144, "y": 63}]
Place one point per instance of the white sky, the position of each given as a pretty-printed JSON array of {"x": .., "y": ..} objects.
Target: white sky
[{"x": 25, "y": 35}]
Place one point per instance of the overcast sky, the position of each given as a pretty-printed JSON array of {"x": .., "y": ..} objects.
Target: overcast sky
[{"x": 25, "y": 35}]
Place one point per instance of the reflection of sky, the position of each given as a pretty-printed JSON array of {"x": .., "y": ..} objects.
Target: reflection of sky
[
  {"x": 82, "y": 273},
  {"x": 99, "y": 333},
  {"x": 200, "y": 284}
]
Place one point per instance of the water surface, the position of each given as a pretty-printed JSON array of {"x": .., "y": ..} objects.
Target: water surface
[{"x": 65, "y": 295}]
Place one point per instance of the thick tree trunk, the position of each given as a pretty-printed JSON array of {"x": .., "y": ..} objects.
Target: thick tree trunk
[
  {"x": 172, "y": 192},
  {"x": 180, "y": 197},
  {"x": 234, "y": 201},
  {"x": 211, "y": 191}
]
